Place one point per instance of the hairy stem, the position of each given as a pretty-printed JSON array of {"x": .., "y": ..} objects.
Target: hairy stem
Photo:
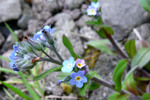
[
  {"x": 116, "y": 46},
  {"x": 57, "y": 54},
  {"x": 50, "y": 60},
  {"x": 111, "y": 86}
]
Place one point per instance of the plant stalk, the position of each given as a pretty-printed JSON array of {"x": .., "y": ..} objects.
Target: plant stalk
[
  {"x": 50, "y": 60},
  {"x": 57, "y": 54},
  {"x": 111, "y": 86},
  {"x": 116, "y": 46}
]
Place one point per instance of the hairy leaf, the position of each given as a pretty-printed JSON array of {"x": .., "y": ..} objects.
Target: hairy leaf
[
  {"x": 145, "y": 4},
  {"x": 130, "y": 48},
  {"x": 30, "y": 90},
  {"x": 105, "y": 29},
  {"x": 17, "y": 91},
  {"x": 141, "y": 58},
  {"x": 117, "y": 96},
  {"x": 102, "y": 45},
  {"x": 55, "y": 69},
  {"x": 117, "y": 74},
  {"x": 68, "y": 45}
]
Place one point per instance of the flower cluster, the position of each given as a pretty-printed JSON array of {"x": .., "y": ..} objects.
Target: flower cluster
[
  {"x": 79, "y": 67},
  {"x": 93, "y": 9},
  {"x": 24, "y": 55}
]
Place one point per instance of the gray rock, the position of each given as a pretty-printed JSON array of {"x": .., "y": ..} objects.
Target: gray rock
[
  {"x": 23, "y": 21},
  {"x": 64, "y": 22},
  {"x": 5, "y": 64},
  {"x": 34, "y": 25},
  {"x": 9, "y": 9},
  {"x": 26, "y": 16},
  {"x": 2, "y": 39},
  {"x": 75, "y": 13},
  {"x": 46, "y": 5},
  {"x": 89, "y": 33},
  {"x": 44, "y": 15},
  {"x": 104, "y": 67},
  {"x": 71, "y": 4},
  {"x": 123, "y": 15},
  {"x": 10, "y": 41},
  {"x": 143, "y": 30},
  {"x": 81, "y": 22}
]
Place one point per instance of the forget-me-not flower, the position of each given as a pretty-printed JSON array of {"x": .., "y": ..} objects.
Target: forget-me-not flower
[
  {"x": 80, "y": 63},
  {"x": 68, "y": 65},
  {"x": 78, "y": 79},
  {"x": 91, "y": 10},
  {"x": 96, "y": 5},
  {"x": 40, "y": 34}
]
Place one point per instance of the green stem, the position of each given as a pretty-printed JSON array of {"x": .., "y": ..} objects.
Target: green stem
[
  {"x": 50, "y": 60},
  {"x": 57, "y": 54},
  {"x": 116, "y": 46},
  {"x": 111, "y": 86}
]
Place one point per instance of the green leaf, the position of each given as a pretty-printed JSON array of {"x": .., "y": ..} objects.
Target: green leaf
[
  {"x": 117, "y": 74},
  {"x": 11, "y": 31},
  {"x": 55, "y": 69},
  {"x": 4, "y": 58},
  {"x": 93, "y": 22},
  {"x": 30, "y": 90},
  {"x": 105, "y": 29},
  {"x": 141, "y": 58},
  {"x": 145, "y": 96},
  {"x": 129, "y": 84},
  {"x": 94, "y": 86},
  {"x": 101, "y": 45},
  {"x": 117, "y": 96},
  {"x": 9, "y": 95},
  {"x": 95, "y": 1},
  {"x": 17, "y": 91},
  {"x": 130, "y": 48},
  {"x": 6, "y": 70},
  {"x": 85, "y": 86},
  {"x": 145, "y": 4},
  {"x": 68, "y": 45},
  {"x": 63, "y": 75}
]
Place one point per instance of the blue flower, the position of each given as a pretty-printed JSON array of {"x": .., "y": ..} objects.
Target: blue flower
[
  {"x": 39, "y": 34},
  {"x": 12, "y": 63},
  {"x": 96, "y": 5},
  {"x": 78, "y": 79},
  {"x": 91, "y": 10},
  {"x": 68, "y": 65}
]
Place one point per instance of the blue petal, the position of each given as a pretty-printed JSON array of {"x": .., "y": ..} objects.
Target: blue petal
[
  {"x": 72, "y": 82},
  {"x": 65, "y": 63},
  {"x": 83, "y": 79},
  {"x": 52, "y": 30},
  {"x": 69, "y": 69},
  {"x": 15, "y": 47},
  {"x": 37, "y": 35},
  {"x": 11, "y": 64},
  {"x": 79, "y": 84},
  {"x": 15, "y": 68},
  {"x": 73, "y": 64},
  {"x": 80, "y": 73},
  {"x": 71, "y": 59},
  {"x": 73, "y": 75},
  {"x": 63, "y": 69},
  {"x": 12, "y": 56},
  {"x": 47, "y": 28}
]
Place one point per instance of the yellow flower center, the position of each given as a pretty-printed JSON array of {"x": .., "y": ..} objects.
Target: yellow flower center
[
  {"x": 78, "y": 78},
  {"x": 79, "y": 65},
  {"x": 92, "y": 11}
]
